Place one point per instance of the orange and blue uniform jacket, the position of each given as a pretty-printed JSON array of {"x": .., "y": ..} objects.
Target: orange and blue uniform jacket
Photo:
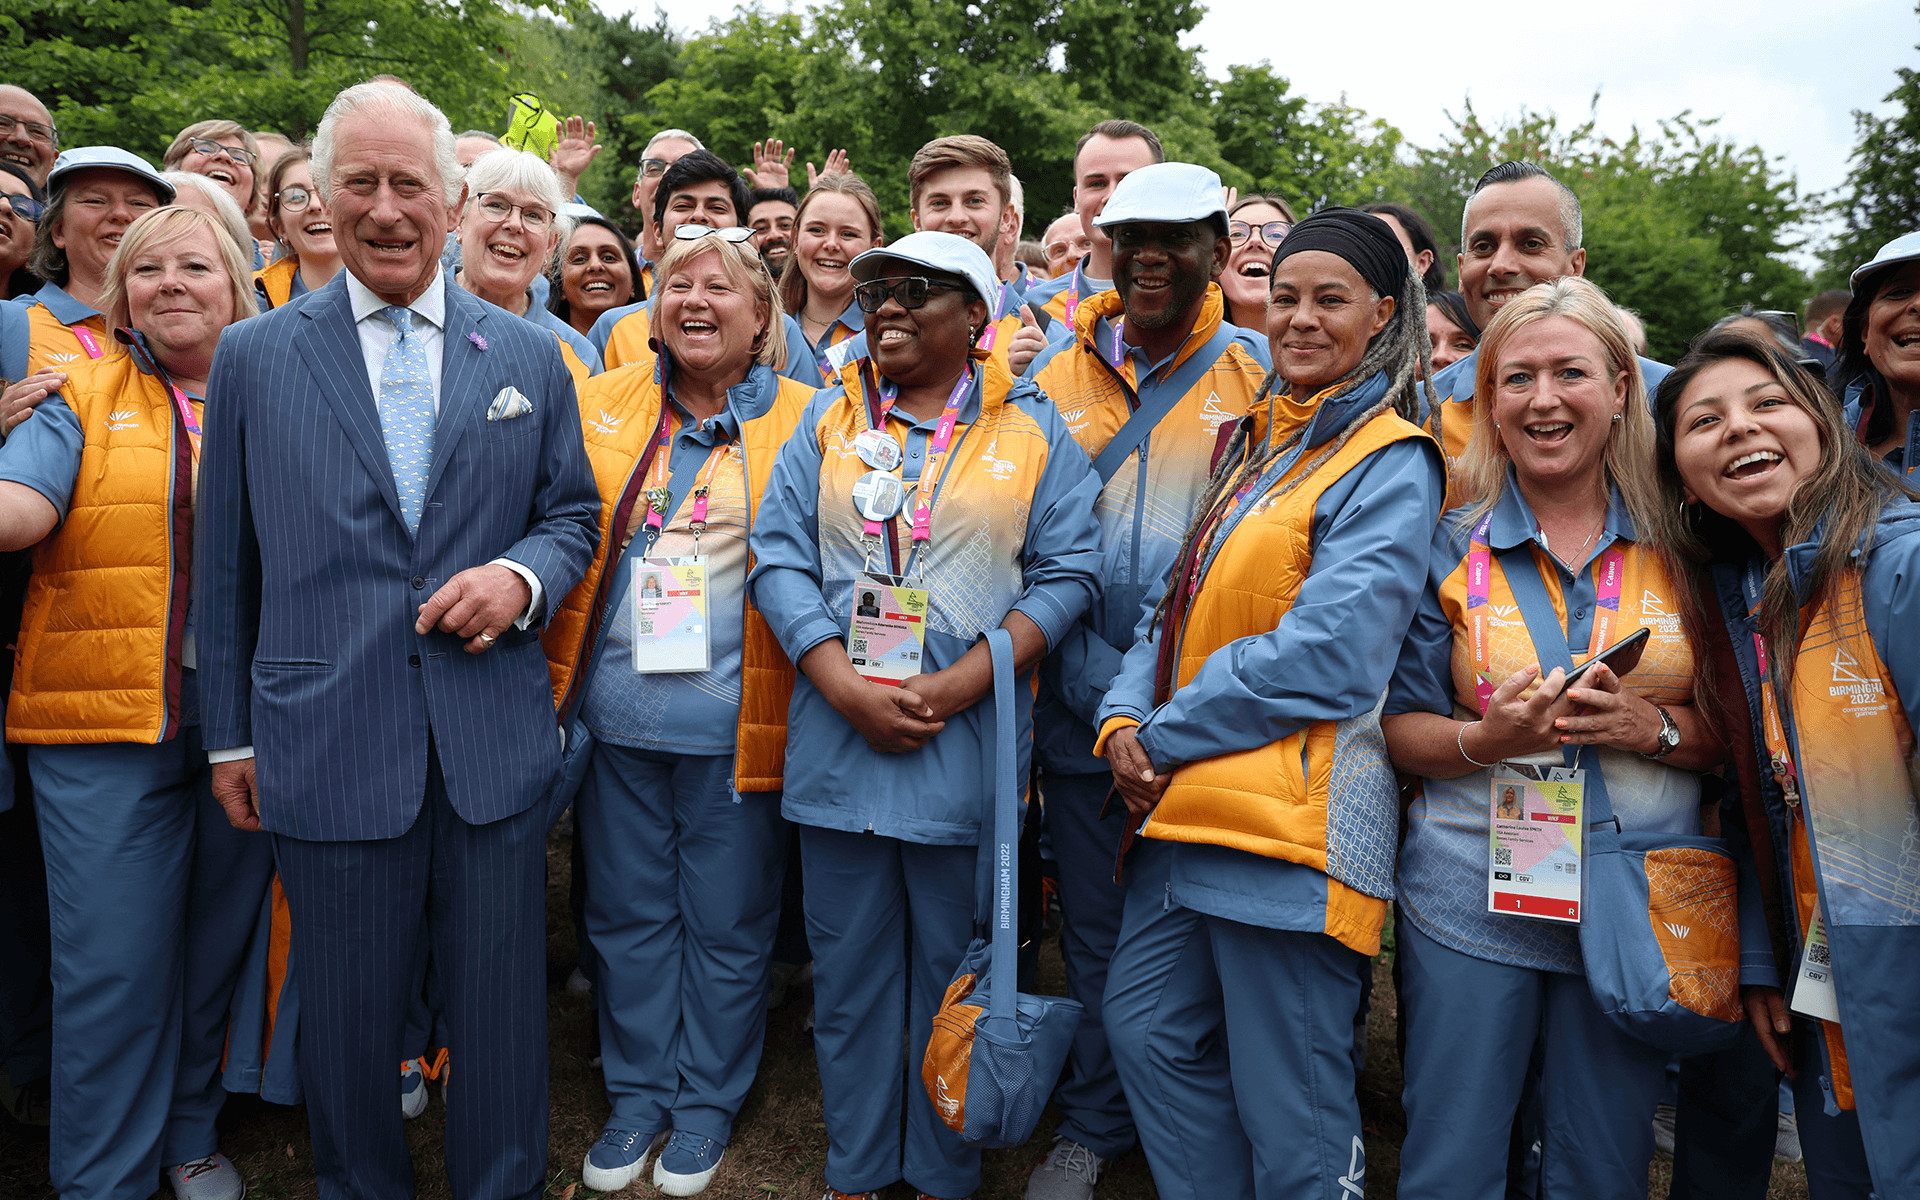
[
  {"x": 1282, "y": 807},
  {"x": 1145, "y": 507},
  {"x": 1012, "y": 530}
]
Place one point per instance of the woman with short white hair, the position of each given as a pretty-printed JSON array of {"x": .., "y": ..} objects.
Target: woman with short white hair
[{"x": 508, "y": 234}]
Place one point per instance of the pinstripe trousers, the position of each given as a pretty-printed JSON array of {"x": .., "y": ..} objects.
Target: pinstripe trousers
[{"x": 359, "y": 910}]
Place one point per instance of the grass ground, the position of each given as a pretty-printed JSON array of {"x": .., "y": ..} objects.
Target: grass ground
[{"x": 780, "y": 1144}]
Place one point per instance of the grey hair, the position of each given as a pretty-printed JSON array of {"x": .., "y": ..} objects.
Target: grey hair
[
  {"x": 1017, "y": 198},
  {"x": 522, "y": 171},
  {"x": 682, "y": 134},
  {"x": 1402, "y": 351},
  {"x": 371, "y": 97},
  {"x": 1571, "y": 231},
  {"x": 223, "y": 203}
]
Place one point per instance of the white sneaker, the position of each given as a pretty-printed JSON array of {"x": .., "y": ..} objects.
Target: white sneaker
[
  {"x": 413, "y": 1089},
  {"x": 616, "y": 1159},
  {"x": 1068, "y": 1172},
  {"x": 209, "y": 1178}
]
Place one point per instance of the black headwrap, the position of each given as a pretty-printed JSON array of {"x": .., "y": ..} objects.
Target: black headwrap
[{"x": 1361, "y": 238}]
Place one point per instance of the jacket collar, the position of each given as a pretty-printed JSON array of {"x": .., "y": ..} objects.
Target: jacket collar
[
  {"x": 64, "y": 307},
  {"x": 751, "y": 397},
  {"x": 1514, "y": 524},
  {"x": 1900, "y": 517},
  {"x": 1093, "y": 325},
  {"x": 1327, "y": 413}
]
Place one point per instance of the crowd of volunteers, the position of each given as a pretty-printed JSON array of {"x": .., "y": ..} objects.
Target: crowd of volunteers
[{"x": 372, "y": 509}]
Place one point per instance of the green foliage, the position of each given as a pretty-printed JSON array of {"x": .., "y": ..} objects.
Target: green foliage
[
  {"x": 1880, "y": 199},
  {"x": 134, "y": 72},
  {"x": 1311, "y": 155},
  {"x": 1680, "y": 225}
]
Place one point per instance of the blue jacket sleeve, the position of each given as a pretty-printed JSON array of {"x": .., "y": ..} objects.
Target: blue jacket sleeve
[
  {"x": 1061, "y": 557},
  {"x": 787, "y": 575},
  {"x": 1331, "y": 655},
  {"x": 1423, "y": 676},
  {"x": 603, "y": 327},
  {"x": 563, "y": 526},
  {"x": 227, "y": 610},
  {"x": 43, "y": 452},
  {"x": 1081, "y": 669},
  {"x": 1891, "y": 592},
  {"x": 1757, "y": 968}
]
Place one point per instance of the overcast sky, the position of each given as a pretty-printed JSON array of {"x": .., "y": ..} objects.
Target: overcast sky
[{"x": 1783, "y": 75}]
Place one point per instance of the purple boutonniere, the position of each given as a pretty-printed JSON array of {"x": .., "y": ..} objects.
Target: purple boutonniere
[{"x": 477, "y": 340}]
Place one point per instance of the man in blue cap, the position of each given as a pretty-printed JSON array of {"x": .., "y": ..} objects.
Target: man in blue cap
[{"x": 1152, "y": 372}]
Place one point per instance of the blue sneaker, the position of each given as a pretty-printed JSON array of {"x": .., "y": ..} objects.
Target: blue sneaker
[
  {"x": 413, "y": 1088},
  {"x": 615, "y": 1160},
  {"x": 209, "y": 1178},
  {"x": 687, "y": 1165}
]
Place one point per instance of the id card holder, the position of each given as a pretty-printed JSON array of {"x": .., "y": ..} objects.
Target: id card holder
[
  {"x": 1813, "y": 986},
  {"x": 671, "y": 633},
  {"x": 1534, "y": 832},
  {"x": 887, "y": 635}
]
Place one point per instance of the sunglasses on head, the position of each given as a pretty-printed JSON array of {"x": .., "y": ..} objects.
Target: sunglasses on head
[
  {"x": 911, "y": 291},
  {"x": 693, "y": 232}
]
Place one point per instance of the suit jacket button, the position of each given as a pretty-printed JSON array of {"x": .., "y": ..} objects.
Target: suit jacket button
[
  {"x": 419, "y": 581},
  {"x": 413, "y": 660}
]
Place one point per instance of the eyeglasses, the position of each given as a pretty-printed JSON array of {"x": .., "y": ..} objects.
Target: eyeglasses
[
  {"x": 295, "y": 199},
  {"x": 211, "y": 148},
  {"x": 911, "y": 291},
  {"x": 653, "y": 168},
  {"x": 25, "y": 206},
  {"x": 34, "y": 129},
  {"x": 1272, "y": 233},
  {"x": 497, "y": 210},
  {"x": 694, "y": 231}
]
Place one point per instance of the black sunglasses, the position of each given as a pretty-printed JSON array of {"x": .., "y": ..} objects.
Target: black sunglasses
[
  {"x": 911, "y": 291},
  {"x": 25, "y": 206}
]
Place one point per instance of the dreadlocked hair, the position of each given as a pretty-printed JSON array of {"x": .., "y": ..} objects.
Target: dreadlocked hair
[{"x": 1403, "y": 351}]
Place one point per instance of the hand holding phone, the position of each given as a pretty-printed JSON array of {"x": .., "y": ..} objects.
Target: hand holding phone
[{"x": 1621, "y": 657}]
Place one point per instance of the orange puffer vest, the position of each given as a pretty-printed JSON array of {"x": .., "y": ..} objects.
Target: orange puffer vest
[
  {"x": 106, "y": 610},
  {"x": 619, "y": 412}
]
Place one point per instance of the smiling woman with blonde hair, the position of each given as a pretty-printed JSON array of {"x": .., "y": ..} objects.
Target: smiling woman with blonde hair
[
  {"x": 1560, "y": 499},
  {"x": 681, "y": 839},
  {"x": 152, "y": 892}
]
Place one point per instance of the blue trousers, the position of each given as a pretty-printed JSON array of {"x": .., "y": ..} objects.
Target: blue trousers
[
  {"x": 1877, "y": 982},
  {"x": 889, "y": 922},
  {"x": 1278, "y": 1117},
  {"x": 1471, "y": 1025},
  {"x": 683, "y": 895},
  {"x": 359, "y": 910},
  {"x": 1726, "y": 1118},
  {"x": 151, "y": 897},
  {"x": 1092, "y": 1104}
]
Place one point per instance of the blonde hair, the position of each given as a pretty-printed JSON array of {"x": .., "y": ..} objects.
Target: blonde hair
[
  {"x": 161, "y": 227},
  {"x": 1628, "y": 464},
  {"x": 742, "y": 264}
]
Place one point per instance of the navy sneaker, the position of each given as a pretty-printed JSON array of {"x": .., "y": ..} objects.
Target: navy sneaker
[
  {"x": 687, "y": 1165},
  {"x": 615, "y": 1160}
]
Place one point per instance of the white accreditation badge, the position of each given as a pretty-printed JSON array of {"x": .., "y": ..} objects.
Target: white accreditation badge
[
  {"x": 1535, "y": 827},
  {"x": 887, "y": 634},
  {"x": 878, "y": 449},
  {"x": 671, "y": 633},
  {"x": 1813, "y": 986}
]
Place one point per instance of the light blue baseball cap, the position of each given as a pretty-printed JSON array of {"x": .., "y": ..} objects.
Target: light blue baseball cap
[
  {"x": 944, "y": 252},
  {"x": 1904, "y": 248},
  {"x": 86, "y": 158},
  {"x": 1168, "y": 191}
]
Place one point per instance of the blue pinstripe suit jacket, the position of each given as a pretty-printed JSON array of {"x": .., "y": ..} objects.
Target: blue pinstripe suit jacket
[{"x": 309, "y": 582}]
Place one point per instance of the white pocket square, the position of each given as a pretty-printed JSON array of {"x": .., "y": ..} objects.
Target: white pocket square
[{"x": 509, "y": 404}]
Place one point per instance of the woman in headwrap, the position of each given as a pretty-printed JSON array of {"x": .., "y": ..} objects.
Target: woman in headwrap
[{"x": 1243, "y": 727}]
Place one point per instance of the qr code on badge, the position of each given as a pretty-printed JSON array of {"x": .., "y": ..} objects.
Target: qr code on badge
[
  {"x": 1818, "y": 955},
  {"x": 1502, "y": 856},
  {"x": 646, "y": 626},
  {"x": 859, "y": 646}
]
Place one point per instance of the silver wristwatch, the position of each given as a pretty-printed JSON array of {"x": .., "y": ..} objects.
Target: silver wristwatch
[{"x": 1669, "y": 735}]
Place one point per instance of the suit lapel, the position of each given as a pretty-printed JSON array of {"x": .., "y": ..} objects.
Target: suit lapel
[
  {"x": 463, "y": 371},
  {"x": 330, "y": 345}
]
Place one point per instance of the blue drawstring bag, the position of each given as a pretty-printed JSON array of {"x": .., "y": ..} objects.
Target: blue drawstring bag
[{"x": 994, "y": 1054}]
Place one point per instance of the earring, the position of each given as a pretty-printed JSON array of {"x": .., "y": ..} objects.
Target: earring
[{"x": 1616, "y": 418}]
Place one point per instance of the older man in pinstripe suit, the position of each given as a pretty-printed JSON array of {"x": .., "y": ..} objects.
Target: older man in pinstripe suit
[{"x": 394, "y": 490}]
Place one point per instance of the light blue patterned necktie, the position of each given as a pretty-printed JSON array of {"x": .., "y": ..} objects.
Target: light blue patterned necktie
[{"x": 406, "y": 412}]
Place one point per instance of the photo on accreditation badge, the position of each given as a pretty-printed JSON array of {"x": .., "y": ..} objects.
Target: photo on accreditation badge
[
  {"x": 1533, "y": 839},
  {"x": 888, "y": 630}
]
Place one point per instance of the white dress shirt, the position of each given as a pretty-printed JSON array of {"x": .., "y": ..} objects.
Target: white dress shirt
[{"x": 376, "y": 335}]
